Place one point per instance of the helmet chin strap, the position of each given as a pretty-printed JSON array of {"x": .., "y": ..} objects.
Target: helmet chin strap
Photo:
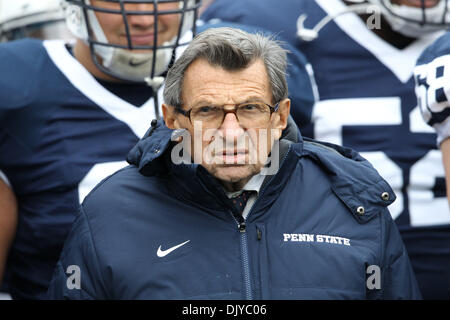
[{"x": 312, "y": 34}]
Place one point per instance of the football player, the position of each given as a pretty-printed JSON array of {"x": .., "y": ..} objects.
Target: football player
[
  {"x": 21, "y": 19},
  {"x": 70, "y": 113},
  {"x": 363, "y": 55},
  {"x": 432, "y": 75}
]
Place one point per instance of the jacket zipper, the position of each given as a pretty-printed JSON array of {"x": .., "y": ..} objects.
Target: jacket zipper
[{"x": 244, "y": 253}]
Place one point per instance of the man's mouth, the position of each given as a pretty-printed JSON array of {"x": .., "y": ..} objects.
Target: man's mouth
[
  {"x": 232, "y": 156},
  {"x": 233, "y": 152},
  {"x": 143, "y": 39}
]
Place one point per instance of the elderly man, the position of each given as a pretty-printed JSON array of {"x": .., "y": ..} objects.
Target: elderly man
[{"x": 229, "y": 202}]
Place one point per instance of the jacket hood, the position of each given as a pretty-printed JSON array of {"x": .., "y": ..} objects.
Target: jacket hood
[{"x": 352, "y": 178}]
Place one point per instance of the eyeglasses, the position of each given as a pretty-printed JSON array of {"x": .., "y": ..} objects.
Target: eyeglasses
[{"x": 249, "y": 114}]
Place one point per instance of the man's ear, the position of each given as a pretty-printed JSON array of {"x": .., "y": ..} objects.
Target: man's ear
[
  {"x": 169, "y": 116},
  {"x": 282, "y": 115}
]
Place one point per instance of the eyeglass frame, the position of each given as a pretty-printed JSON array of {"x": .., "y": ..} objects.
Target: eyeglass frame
[{"x": 188, "y": 112}]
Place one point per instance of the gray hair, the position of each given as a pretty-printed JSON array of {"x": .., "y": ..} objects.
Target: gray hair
[{"x": 231, "y": 49}]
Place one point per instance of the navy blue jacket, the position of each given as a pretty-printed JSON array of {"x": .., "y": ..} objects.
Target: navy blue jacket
[{"x": 303, "y": 238}]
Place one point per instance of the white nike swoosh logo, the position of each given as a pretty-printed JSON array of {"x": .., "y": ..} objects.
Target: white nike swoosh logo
[{"x": 163, "y": 253}]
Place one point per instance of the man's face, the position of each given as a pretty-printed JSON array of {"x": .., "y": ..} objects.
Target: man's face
[
  {"x": 416, "y": 3},
  {"x": 141, "y": 27},
  {"x": 232, "y": 151}
]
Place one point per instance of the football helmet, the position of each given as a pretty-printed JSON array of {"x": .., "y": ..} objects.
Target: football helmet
[
  {"x": 30, "y": 18},
  {"x": 414, "y": 21},
  {"x": 130, "y": 62}
]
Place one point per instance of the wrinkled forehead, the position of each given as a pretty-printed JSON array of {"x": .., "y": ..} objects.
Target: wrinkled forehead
[{"x": 207, "y": 83}]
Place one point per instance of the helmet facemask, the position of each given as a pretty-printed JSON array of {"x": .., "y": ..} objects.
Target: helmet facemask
[
  {"x": 130, "y": 62},
  {"x": 414, "y": 21}
]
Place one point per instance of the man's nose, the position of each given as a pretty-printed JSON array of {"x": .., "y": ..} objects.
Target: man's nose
[
  {"x": 230, "y": 128},
  {"x": 142, "y": 20}
]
